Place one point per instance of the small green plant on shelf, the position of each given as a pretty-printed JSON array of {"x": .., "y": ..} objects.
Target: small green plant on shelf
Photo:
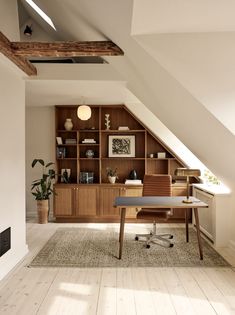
[
  {"x": 210, "y": 178},
  {"x": 112, "y": 174}
]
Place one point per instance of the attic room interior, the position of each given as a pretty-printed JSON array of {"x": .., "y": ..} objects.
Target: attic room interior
[{"x": 121, "y": 114}]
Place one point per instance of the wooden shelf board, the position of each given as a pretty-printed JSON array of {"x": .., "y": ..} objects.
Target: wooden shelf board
[
  {"x": 59, "y": 159},
  {"x": 122, "y": 131},
  {"x": 67, "y": 145},
  {"x": 88, "y": 159},
  {"x": 155, "y": 159},
  {"x": 86, "y": 144},
  {"x": 118, "y": 158},
  {"x": 88, "y": 130},
  {"x": 62, "y": 130}
]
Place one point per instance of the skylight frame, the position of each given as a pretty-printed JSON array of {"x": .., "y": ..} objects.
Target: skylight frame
[{"x": 40, "y": 12}]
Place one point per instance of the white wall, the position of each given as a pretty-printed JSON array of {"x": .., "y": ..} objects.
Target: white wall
[
  {"x": 9, "y": 24},
  {"x": 12, "y": 139},
  {"x": 38, "y": 34},
  {"x": 40, "y": 143},
  {"x": 12, "y": 163}
]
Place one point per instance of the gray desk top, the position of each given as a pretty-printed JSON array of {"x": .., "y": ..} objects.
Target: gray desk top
[{"x": 158, "y": 202}]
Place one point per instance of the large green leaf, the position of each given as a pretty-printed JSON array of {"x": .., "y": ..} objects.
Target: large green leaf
[
  {"x": 35, "y": 161},
  {"x": 49, "y": 164}
]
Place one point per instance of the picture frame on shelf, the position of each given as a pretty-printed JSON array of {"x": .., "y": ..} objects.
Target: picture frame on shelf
[
  {"x": 59, "y": 140},
  {"x": 121, "y": 146},
  {"x": 61, "y": 152},
  {"x": 65, "y": 175}
]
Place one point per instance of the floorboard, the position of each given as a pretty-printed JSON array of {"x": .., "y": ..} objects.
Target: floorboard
[{"x": 119, "y": 291}]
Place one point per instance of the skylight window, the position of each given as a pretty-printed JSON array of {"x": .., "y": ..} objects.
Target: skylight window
[{"x": 45, "y": 17}]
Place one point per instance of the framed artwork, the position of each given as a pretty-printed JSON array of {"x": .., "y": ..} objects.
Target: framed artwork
[
  {"x": 121, "y": 146},
  {"x": 65, "y": 175},
  {"x": 59, "y": 140}
]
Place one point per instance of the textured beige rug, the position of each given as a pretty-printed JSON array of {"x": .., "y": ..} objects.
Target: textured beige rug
[{"x": 79, "y": 247}]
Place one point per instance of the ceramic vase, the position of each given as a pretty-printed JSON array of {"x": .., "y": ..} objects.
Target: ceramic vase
[
  {"x": 90, "y": 154},
  {"x": 68, "y": 125}
]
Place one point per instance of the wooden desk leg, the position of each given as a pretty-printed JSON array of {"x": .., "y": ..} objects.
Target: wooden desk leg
[
  {"x": 198, "y": 232},
  {"x": 121, "y": 233},
  {"x": 186, "y": 223}
]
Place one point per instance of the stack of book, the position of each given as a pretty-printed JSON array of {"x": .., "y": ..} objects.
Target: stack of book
[
  {"x": 70, "y": 141},
  {"x": 133, "y": 181},
  {"x": 88, "y": 141}
]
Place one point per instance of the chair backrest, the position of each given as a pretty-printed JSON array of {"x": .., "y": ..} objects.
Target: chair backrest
[{"x": 157, "y": 185}]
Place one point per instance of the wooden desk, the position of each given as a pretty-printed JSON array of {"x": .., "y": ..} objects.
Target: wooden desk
[{"x": 161, "y": 203}]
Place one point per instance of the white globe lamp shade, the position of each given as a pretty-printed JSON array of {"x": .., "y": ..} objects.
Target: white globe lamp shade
[{"x": 84, "y": 112}]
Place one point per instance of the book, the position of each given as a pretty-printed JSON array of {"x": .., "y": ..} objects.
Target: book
[
  {"x": 88, "y": 141},
  {"x": 123, "y": 128},
  {"x": 133, "y": 181}
]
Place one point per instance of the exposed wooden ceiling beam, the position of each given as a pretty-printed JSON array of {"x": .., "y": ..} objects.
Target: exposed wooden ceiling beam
[
  {"x": 7, "y": 50},
  {"x": 17, "y": 52},
  {"x": 66, "y": 49}
]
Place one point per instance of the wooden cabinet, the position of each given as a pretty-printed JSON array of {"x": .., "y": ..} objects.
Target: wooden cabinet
[
  {"x": 75, "y": 200},
  {"x": 132, "y": 192},
  {"x": 86, "y": 201},
  {"x": 94, "y": 200},
  {"x": 179, "y": 214},
  {"x": 107, "y": 197},
  {"x": 63, "y": 201}
]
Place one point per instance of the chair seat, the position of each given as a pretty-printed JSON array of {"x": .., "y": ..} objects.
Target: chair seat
[{"x": 152, "y": 215}]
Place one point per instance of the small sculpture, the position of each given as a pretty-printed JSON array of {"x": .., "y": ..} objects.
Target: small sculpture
[
  {"x": 90, "y": 153},
  {"x": 107, "y": 121},
  {"x": 133, "y": 174}
]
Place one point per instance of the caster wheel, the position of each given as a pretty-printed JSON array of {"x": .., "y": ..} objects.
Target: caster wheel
[
  {"x": 171, "y": 245},
  {"x": 147, "y": 246},
  {"x": 171, "y": 237},
  {"x": 136, "y": 238}
]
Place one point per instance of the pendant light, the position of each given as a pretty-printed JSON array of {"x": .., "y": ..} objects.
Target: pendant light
[{"x": 84, "y": 112}]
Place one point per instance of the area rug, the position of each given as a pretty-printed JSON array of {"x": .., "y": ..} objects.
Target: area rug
[{"x": 80, "y": 247}]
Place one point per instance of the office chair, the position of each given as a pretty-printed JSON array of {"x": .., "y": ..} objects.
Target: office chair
[{"x": 156, "y": 185}]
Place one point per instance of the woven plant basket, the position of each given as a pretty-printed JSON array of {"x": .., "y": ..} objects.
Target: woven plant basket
[{"x": 43, "y": 210}]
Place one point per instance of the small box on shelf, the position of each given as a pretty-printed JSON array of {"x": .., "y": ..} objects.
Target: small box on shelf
[
  {"x": 161, "y": 155},
  {"x": 86, "y": 177}
]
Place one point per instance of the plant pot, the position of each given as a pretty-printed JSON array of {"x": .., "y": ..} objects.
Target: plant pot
[
  {"x": 43, "y": 211},
  {"x": 112, "y": 179}
]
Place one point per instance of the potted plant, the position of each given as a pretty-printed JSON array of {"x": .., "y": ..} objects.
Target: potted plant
[
  {"x": 112, "y": 174},
  {"x": 42, "y": 189}
]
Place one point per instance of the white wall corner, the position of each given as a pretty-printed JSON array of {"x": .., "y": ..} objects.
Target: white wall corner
[{"x": 232, "y": 246}]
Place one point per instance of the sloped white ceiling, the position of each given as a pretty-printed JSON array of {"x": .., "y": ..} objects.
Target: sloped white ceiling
[{"x": 167, "y": 72}]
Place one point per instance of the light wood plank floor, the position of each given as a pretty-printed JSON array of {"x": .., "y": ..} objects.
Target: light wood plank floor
[{"x": 55, "y": 291}]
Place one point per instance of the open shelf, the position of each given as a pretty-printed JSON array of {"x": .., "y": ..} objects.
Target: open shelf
[{"x": 95, "y": 128}]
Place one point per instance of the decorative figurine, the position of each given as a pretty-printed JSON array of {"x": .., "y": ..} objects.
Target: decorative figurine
[{"x": 107, "y": 121}]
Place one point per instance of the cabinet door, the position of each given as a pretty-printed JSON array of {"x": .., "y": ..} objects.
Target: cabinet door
[
  {"x": 180, "y": 213},
  {"x": 63, "y": 202},
  {"x": 107, "y": 197},
  {"x": 86, "y": 201},
  {"x": 132, "y": 192}
]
